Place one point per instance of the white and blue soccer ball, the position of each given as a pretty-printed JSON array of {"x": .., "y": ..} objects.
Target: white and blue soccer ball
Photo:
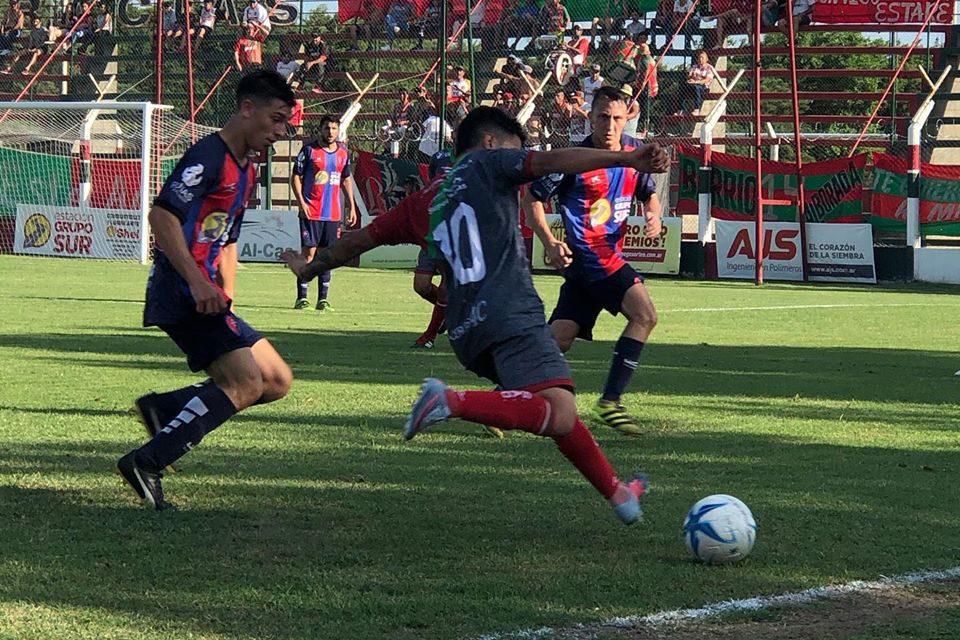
[{"x": 719, "y": 530}]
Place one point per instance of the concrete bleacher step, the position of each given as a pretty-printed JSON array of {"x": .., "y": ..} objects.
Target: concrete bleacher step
[{"x": 947, "y": 108}]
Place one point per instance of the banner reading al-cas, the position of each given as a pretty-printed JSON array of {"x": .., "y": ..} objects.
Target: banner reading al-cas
[
  {"x": 646, "y": 255},
  {"x": 939, "y": 196},
  {"x": 833, "y": 189}
]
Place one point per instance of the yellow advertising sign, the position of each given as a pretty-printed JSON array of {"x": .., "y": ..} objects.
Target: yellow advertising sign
[{"x": 646, "y": 255}]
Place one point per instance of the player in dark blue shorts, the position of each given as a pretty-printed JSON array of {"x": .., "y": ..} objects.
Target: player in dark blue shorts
[
  {"x": 495, "y": 318},
  {"x": 197, "y": 214},
  {"x": 594, "y": 207}
]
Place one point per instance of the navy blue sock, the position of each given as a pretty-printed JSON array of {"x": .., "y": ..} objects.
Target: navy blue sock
[
  {"x": 169, "y": 404},
  {"x": 324, "y": 279},
  {"x": 205, "y": 411},
  {"x": 626, "y": 355},
  {"x": 302, "y": 289}
]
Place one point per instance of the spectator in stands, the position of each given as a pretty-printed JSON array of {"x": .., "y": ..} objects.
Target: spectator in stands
[
  {"x": 802, "y": 13},
  {"x": 37, "y": 46},
  {"x": 590, "y": 85},
  {"x": 512, "y": 74},
  {"x": 554, "y": 18},
  {"x": 286, "y": 65},
  {"x": 561, "y": 113},
  {"x": 578, "y": 47},
  {"x": 427, "y": 24},
  {"x": 397, "y": 20},
  {"x": 67, "y": 17},
  {"x": 13, "y": 23},
  {"x": 700, "y": 77},
  {"x": 648, "y": 88},
  {"x": 373, "y": 16},
  {"x": 248, "y": 52},
  {"x": 83, "y": 32},
  {"x": 459, "y": 92},
  {"x": 314, "y": 62},
  {"x": 411, "y": 184},
  {"x": 670, "y": 13},
  {"x": 423, "y": 106},
  {"x": 400, "y": 116},
  {"x": 429, "y": 141},
  {"x": 628, "y": 49},
  {"x": 521, "y": 20},
  {"x": 256, "y": 17},
  {"x": 510, "y": 106},
  {"x": 102, "y": 30},
  {"x": 172, "y": 27},
  {"x": 736, "y": 19},
  {"x": 208, "y": 18},
  {"x": 635, "y": 26},
  {"x": 579, "y": 117}
]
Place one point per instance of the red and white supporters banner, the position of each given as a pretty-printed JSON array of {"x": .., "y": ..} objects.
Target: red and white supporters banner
[
  {"x": 835, "y": 252},
  {"x": 75, "y": 232},
  {"x": 882, "y": 11}
]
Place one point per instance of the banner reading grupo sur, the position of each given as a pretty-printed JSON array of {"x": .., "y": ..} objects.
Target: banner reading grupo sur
[
  {"x": 833, "y": 189},
  {"x": 939, "y": 196}
]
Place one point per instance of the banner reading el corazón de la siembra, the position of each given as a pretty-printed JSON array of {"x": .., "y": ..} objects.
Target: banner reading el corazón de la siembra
[{"x": 833, "y": 189}]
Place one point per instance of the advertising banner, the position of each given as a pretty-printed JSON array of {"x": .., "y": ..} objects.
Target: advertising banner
[
  {"x": 882, "y": 11},
  {"x": 34, "y": 177},
  {"x": 264, "y": 235},
  {"x": 833, "y": 189},
  {"x": 380, "y": 179},
  {"x": 836, "y": 252},
  {"x": 939, "y": 196},
  {"x": 401, "y": 256},
  {"x": 77, "y": 233},
  {"x": 653, "y": 255}
]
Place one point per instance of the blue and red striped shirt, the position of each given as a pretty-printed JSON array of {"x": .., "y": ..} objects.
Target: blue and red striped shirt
[
  {"x": 322, "y": 172},
  {"x": 595, "y": 206},
  {"x": 208, "y": 192}
]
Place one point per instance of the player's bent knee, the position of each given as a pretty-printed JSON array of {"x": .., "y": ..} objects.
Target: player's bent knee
[
  {"x": 277, "y": 383},
  {"x": 563, "y": 409},
  {"x": 564, "y": 333}
]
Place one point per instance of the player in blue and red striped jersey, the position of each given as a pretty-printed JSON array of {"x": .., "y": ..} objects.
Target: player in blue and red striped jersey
[
  {"x": 319, "y": 172},
  {"x": 594, "y": 207},
  {"x": 195, "y": 219}
]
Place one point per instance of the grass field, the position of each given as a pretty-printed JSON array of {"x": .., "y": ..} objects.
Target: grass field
[{"x": 831, "y": 411}]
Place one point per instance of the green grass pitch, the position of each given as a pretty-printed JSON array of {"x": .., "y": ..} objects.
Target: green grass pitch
[{"x": 831, "y": 411}]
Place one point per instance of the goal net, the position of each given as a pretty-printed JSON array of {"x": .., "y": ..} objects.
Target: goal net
[{"x": 77, "y": 179}]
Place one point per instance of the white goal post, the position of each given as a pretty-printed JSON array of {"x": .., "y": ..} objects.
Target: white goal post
[{"x": 77, "y": 178}]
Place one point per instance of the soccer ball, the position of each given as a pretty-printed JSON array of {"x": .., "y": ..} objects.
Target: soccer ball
[{"x": 719, "y": 530}]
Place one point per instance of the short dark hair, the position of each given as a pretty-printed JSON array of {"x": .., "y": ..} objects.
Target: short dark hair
[
  {"x": 485, "y": 120},
  {"x": 610, "y": 94},
  {"x": 264, "y": 85},
  {"x": 328, "y": 117}
]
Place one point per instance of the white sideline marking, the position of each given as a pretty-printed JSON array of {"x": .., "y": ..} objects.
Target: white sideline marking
[
  {"x": 746, "y": 604},
  {"x": 806, "y": 306}
]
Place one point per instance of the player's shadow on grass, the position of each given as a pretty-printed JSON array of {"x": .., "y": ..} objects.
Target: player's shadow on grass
[
  {"x": 436, "y": 539},
  {"x": 384, "y": 358}
]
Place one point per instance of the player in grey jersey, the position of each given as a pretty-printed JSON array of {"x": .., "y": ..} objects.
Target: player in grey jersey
[{"x": 495, "y": 318}]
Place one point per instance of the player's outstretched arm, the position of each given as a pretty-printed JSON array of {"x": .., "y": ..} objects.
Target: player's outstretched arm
[
  {"x": 336, "y": 255},
  {"x": 169, "y": 237},
  {"x": 558, "y": 252},
  {"x": 650, "y": 158}
]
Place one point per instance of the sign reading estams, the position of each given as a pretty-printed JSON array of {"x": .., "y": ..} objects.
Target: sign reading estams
[
  {"x": 646, "y": 255},
  {"x": 76, "y": 232},
  {"x": 835, "y": 252}
]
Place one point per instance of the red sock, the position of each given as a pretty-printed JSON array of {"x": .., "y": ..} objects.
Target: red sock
[
  {"x": 435, "y": 321},
  {"x": 510, "y": 410},
  {"x": 582, "y": 451}
]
